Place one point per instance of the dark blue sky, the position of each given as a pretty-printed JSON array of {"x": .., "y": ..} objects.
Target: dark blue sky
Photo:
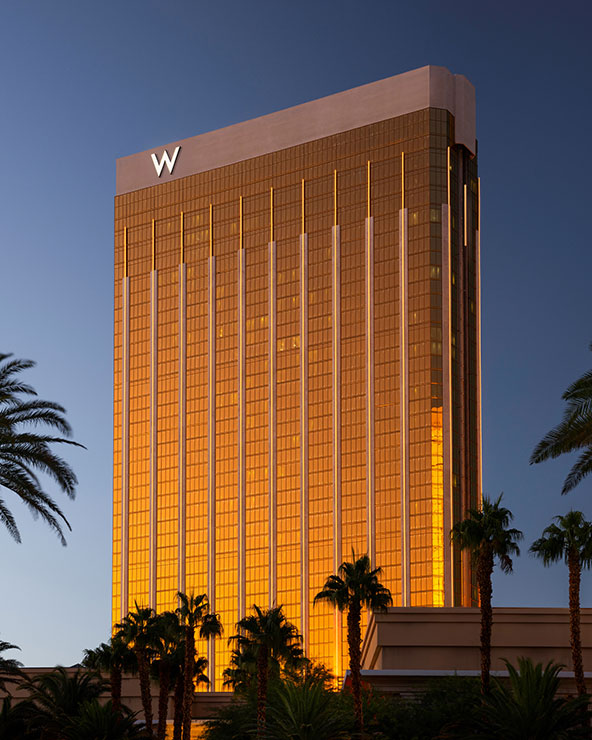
[{"x": 83, "y": 83}]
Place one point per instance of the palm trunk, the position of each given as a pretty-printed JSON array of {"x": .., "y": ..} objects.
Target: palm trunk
[
  {"x": 354, "y": 640},
  {"x": 115, "y": 680},
  {"x": 188, "y": 680},
  {"x": 262, "y": 669},
  {"x": 163, "y": 699},
  {"x": 178, "y": 711},
  {"x": 145, "y": 693},
  {"x": 484, "y": 573},
  {"x": 575, "y": 640}
]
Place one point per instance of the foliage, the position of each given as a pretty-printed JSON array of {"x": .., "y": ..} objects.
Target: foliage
[
  {"x": 487, "y": 535},
  {"x": 97, "y": 721},
  {"x": 305, "y": 711},
  {"x": 526, "y": 707},
  {"x": 24, "y": 451},
  {"x": 56, "y": 697},
  {"x": 573, "y": 433},
  {"x": 433, "y": 714}
]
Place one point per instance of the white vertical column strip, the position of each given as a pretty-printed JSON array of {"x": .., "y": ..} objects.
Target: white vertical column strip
[
  {"x": 478, "y": 326},
  {"x": 448, "y": 512},
  {"x": 404, "y": 406},
  {"x": 125, "y": 384},
  {"x": 304, "y": 580},
  {"x": 370, "y": 476},
  {"x": 182, "y": 505},
  {"x": 212, "y": 456},
  {"x": 272, "y": 424},
  {"x": 336, "y": 321},
  {"x": 241, "y": 477},
  {"x": 153, "y": 436}
]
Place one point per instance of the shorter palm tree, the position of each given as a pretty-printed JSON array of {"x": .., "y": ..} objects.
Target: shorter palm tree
[
  {"x": 271, "y": 640},
  {"x": 355, "y": 586},
  {"x": 570, "y": 539},
  {"x": 486, "y": 534},
  {"x": 135, "y": 630},
  {"x": 194, "y": 612},
  {"x": 116, "y": 658},
  {"x": 169, "y": 646}
]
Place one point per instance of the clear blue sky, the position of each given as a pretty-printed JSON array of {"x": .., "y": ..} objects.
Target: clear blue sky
[{"x": 83, "y": 83}]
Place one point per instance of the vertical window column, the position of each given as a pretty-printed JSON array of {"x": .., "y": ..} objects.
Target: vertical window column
[
  {"x": 336, "y": 322},
  {"x": 478, "y": 322},
  {"x": 370, "y": 477},
  {"x": 404, "y": 392},
  {"x": 182, "y": 412},
  {"x": 448, "y": 509},
  {"x": 153, "y": 420},
  {"x": 125, "y": 434},
  {"x": 242, "y": 472},
  {"x": 304, "y": 579},
  {"x": 272, "y": 413},
  {"x": 212, "y": 450}
]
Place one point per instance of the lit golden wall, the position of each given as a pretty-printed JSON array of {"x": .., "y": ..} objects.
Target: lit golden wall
[{"x": 360, "y": 182}]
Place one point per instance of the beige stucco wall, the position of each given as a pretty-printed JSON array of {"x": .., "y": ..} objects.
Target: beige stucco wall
[{"x": 447, "y": 639}]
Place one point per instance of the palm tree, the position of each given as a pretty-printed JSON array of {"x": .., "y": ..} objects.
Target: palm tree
[
  {"x": 574, "y": 432},
  {"x": 272, "y": 640},
  {"x": 570, "y": 539},
  {"x": 136, "y": 631},
  {"x": 23, "y": 450},
  {"x": 194, "y": 611},
  {"x": 486, "y": 534},
  {"x": 168, "y": 641},
  {"x": 356, "y": 585},
  {"x": 117, "y": 658},
  {"x": 178, "y": 680}
]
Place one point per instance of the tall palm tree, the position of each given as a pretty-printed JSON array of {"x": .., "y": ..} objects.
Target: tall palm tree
[
  {"x": 273, "y": 640},
  {"x": 485, "y": 532},
  {"x": 136, "y": 631},
  {"x": 574, "y": 432},
  {"x": 194, "y": 612},
  {"x": 117, "y": 658},
  {"x": 356, "y": 585},
  {"x": 570, "y": 540},
  {"x": 24, "y": 451}
]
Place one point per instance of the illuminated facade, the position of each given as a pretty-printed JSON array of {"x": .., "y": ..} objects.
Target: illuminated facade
[{"x": 297, "y": 351}]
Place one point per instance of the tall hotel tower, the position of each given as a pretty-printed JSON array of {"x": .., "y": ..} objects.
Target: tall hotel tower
[{"x": 297, "y": 357}]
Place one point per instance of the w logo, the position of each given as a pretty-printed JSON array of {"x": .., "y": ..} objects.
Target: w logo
[{"x": 165, "y": 159}]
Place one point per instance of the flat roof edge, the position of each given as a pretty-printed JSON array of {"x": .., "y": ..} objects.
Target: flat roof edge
[{"x": 426, "y": 87}]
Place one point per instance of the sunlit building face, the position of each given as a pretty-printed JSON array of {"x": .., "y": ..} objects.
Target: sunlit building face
[{"x": 297, "y": 344}]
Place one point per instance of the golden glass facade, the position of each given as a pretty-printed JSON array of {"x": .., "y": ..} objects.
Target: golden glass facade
[{"x": 297, "y": 376}]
